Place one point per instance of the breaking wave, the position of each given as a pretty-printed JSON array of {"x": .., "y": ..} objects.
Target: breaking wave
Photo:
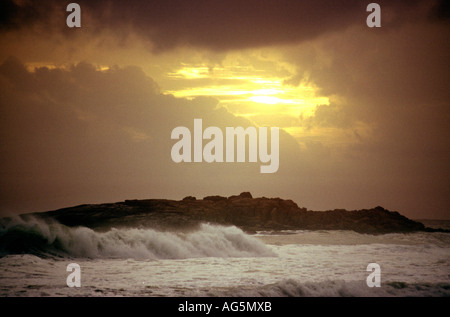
[
  {"x": 43, "y": 238},
  {"x": 339, "y": 288}
]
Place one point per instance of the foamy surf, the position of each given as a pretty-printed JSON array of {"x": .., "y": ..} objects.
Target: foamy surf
[
  {"x": 35, "y": 236},
  {"x": 334, "y": 288},
  {"x": 217, "y": 260}
]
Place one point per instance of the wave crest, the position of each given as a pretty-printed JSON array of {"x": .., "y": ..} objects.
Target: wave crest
[
  {"x": 42, "y": 238},
  {"x": 339, "y": 288}
]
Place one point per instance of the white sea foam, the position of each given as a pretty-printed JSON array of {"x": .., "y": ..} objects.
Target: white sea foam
[
  {"x": 347, "y": 237},
  {"x": 53, "y": 238},
  {"x": 222, "y": 261},
  {"x": 338, "y": 288}
]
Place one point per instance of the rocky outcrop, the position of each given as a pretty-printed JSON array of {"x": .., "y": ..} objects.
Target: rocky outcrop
[{"x": 244, "y": 211}]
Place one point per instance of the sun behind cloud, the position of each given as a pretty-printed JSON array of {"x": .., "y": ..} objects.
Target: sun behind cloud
[{"x": 249, "y": 85}]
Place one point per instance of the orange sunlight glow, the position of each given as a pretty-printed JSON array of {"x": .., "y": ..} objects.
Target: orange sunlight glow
[{"x": 246, "y": 90}]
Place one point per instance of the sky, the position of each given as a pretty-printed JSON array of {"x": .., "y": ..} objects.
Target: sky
[{"x": 86, "y": 114}]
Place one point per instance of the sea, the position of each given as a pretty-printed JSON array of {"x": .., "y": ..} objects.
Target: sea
[{"x": 37, "y": 259}]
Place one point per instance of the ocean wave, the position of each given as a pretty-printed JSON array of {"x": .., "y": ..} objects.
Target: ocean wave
[
  {"x": 47, "y": 238},
  {"x": 348, "y": 237},
  {"x": 338, "y": 288}
]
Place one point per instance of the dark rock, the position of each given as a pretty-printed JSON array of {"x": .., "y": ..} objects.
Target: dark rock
[
  {"x": 215, "y": 198},
  {"x": 244, "y": 211},
  {"x": 245, "y": 195}
]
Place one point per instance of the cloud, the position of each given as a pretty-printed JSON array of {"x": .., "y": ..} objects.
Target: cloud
[
  {"x": 391, "y": 91},
  {"x": 332, "y": 115},
  {"x": 90, "y": 132},
  {"x": 215, "y": 25},
  {"x": 81, "y": 134}
]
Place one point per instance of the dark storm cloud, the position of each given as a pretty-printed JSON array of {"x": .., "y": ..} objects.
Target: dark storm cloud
[
  {"x": 217, "y": 25},
  {"x": 441, "y": 10}
]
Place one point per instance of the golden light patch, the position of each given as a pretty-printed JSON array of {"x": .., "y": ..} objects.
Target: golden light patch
[
  {"x": 190, "y": 72},
  {"x": 246, "y": 90}
]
